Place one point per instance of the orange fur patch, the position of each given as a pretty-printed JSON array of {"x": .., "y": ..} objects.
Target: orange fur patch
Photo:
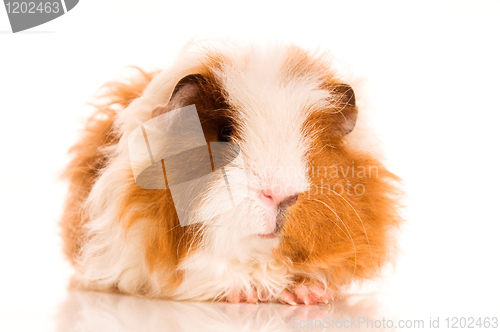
[{"x": 89, "y": 158}]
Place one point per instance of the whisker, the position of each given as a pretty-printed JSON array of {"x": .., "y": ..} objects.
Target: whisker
[
  {"x": 348, "y": 234},
  {"x": 312, "y": 248},
  {"x": 357, "y": 214}
]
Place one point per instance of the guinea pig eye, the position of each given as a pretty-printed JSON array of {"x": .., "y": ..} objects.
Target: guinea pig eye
[{"x": 226, "y": 132}]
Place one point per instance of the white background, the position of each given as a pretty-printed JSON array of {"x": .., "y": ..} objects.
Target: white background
[{"x": 430, "y": 73}]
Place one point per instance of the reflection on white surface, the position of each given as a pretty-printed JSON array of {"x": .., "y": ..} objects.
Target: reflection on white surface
[{"x": 91, "y": 311}]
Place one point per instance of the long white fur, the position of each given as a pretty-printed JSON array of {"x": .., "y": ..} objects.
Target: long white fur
[{"x": 233, "y": 258}]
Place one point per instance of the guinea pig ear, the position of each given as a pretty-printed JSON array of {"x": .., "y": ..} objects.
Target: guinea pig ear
[
  {"x": 347, "y": 113},
  {"x": 186, "y": 92}
]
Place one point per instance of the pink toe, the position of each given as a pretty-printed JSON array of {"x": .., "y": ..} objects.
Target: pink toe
[
  {"x": 252, "y": 298},
  {"x": 288, "y": 297}
]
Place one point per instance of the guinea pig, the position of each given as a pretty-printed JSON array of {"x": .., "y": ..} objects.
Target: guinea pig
[{"x": 309, "y": 210}]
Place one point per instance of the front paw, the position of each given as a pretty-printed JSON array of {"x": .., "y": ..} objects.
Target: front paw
[{"x": 306, "y": 294}]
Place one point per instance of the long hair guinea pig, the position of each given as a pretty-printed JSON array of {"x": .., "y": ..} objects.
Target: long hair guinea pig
[{"x": 315, "y": 210}]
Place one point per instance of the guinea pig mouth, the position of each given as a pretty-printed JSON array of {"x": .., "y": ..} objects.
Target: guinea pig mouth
[{"x": 277, "y": 229}]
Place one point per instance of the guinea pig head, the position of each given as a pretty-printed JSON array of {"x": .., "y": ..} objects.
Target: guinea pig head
[{"x": 289, "y": 119}]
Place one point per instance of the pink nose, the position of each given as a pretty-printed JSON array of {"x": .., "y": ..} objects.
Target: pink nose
[{"x": 277, "y": 199}]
